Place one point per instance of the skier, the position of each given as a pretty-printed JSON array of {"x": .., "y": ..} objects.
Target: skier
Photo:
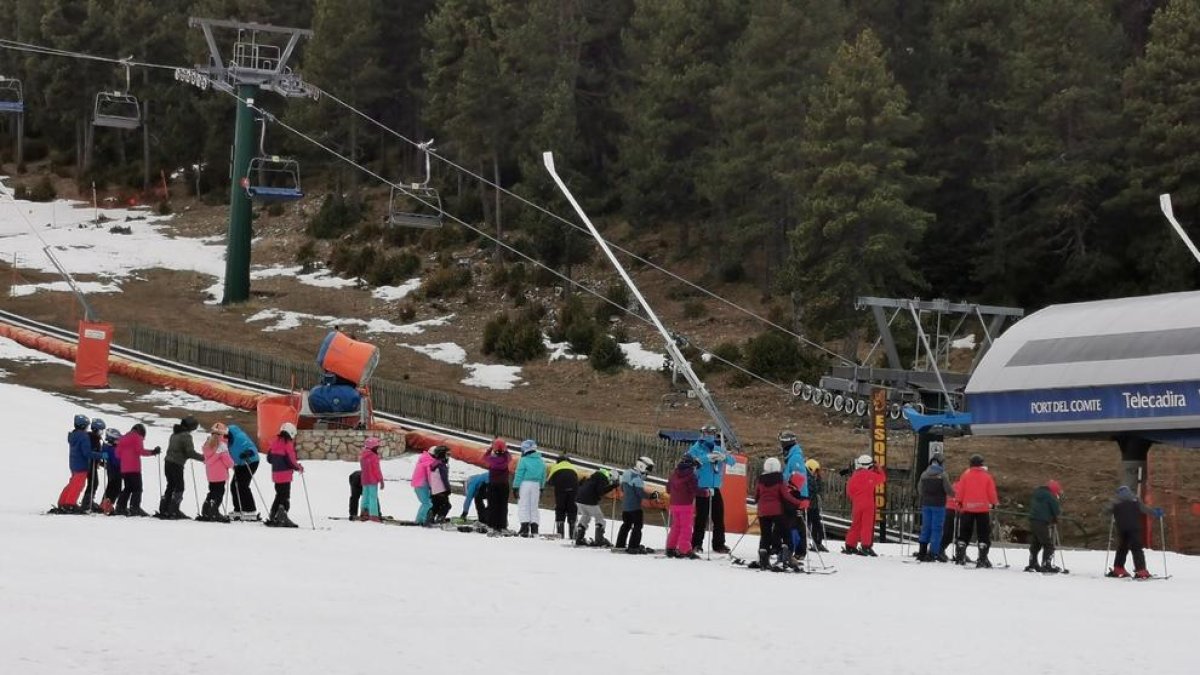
[
  {"x": 935, "y": 489},
  {"x": 976, "y": 493},
  {"x": 371, "y": 479},
  {"x": 815, "y": 486},
  {"x": 420, "y": 483},
  {"x": 1044, "y": 510},
  {"x": 795, "y": 477},
  {"x": 439, "y": 484},
  {"x": 355, "y": 492},
  {"x": 633, "y": 489},
  {"x": 527, "y": 487},
  {"x": 80, "y": 460},
  {"x": 282, "y": 458},
  {"x": 950, "y": 528},
  {"x": 682, "y": 488},
  {"x": 565, "y": 480},
  {"x": 97, "y": 441},
  {"x": 130, "y": 451},
  {"x": 861, "y": 491},
  {"x": 1127, "y": 513},
  {"x": 710, "y": 506},
  {"x": 244, "y": 453},
  {"x": 591, "y": 491},
  {"x": 771, "y": 494},
  {"x": 217, "y": 464},
  {"x": 496, "y": 462},
  {"x": 112, "y": 486},
  {"x": 179, "y": 450},
  {"x": 475, "y": 491}
]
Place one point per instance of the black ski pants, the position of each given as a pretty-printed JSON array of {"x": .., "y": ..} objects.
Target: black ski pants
[
  {"x": 769, "y": 528},
  {"x": 239, "y": 492},
  {"x": 1040, "y": 541},
  {"x": 481, "y": 508},
  {"x": 89, "y": 492},
  {"x": 175, "y": 485},
  {"x": 981, "y": 524},
  {"x": 706, "y": 506},
  {"x": 1130, "y": 540},
  {"x": 497, "y": 501},
  {"x": 216, "y": 493},
  {"x": 631, "y": 529},
  {"x": 441, "y": 507},
  {"x": 949, "y": 530},
  {"x": 131, "y": 491},
  {"x": 565, "y": 508},
  {"x": 814, "y": 522},
  {"x": 283, "y": 498},
  {"x": 355, "y": 492},
  {"x": 113, "y": 488}
]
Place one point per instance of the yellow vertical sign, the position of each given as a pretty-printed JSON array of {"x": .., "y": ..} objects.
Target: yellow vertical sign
[{"x": 879, "y": 406}]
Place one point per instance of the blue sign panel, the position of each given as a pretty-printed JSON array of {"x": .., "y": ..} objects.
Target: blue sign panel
[{"x": 1080, "y": 404}]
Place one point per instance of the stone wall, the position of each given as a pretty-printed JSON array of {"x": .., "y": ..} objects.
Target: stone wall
[{"x": 345, "y": 444}]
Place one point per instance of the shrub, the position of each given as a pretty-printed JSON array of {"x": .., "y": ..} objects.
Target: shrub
[
  {"x": 446, "y": 281},
  {"x": 337, "y": 215},
  {"x": 606, "y": 355},
  {"x": 732, "y": 271},
  {"x": 617, "y": 295},
  {"x": 693, "y": 309},
  {"x": 352, "y": 261},
  {"x": 393, "y": 267},
  {"x": 408, "y": 312},
  {"x": 581, "y": 335},
  {"x": 164, "y": 209},
  {"x": 275, "y": 209},
  {"x": 306, "y": 255},
  {"x": 774, "y": 355},
  {"x": 42, "y": 191},
  {"x": 729, "y": 351},
  {"x": 514, "y": 341}
]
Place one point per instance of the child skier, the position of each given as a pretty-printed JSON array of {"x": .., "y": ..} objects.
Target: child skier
[
  {"x": 371, "y": 480},
  {"x": 179, "y": 450},
  {"x": 112, "y": 486},
  {"x": 1127, "y": 513},
  {"x": 282, "y": 458},
  {"x": 80, "y": 461},
  {"x": 439, "y": 485},
  {"x": 355, "y": 491},
  {"x": 935, "y": 488},
  {"x": 815, "y": 485},
  {"x": 591, "y": 491},
  {"x": 89, "y": 493},
  {"x": 565, "y": 480},
  {"x": 1044, "y": 510},
  {"x": 420, "y": 483},
  {"x": 861, "y": 491},
  {"x": 771, "y": 494},
  {"x": 217, "y": 464},
  {"x": 976, "y": 493},
  {"x": 527, "y": 487},
  {"x": 475, "y": 492},
  {"x": 244, "y": 453},
  {"x": 496, "y": 462},
  {"x": 633, "y": 493},
  {"x": 795, "y": 476},
  {"x": 682, "y": 487},
  {"x": 130, "y": 451}
]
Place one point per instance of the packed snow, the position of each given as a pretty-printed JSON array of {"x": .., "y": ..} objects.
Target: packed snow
[
  {"x": 446, "y": 352},
  {"x": 560, "y": 351},
  {"x": 170, "y": 399},
  {"x": 118, "y": 595},
  {"x": 642, "y": 359},
  {"x": 394, "y": 293},
  {"x": 492, "y": 376},
  {"x": 287, "y": 320},
  {"x": 11, "y": 350},
  {"x": 967, "y": 342},
  {"x": 85, "y": 287}
]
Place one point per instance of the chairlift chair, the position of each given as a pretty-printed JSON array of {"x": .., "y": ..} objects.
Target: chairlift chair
[
  {"x": 118, "y": 109},
  {"x": 12, "y": 96},
  {"x": 271, "y": 178},
  {"x": 428, "y": 213}
]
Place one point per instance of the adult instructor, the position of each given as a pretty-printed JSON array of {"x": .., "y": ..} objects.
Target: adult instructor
[{"x": 710, "y": 506}]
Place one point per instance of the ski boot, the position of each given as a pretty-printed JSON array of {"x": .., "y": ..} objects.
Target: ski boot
[
  {"x": 362, "y": 517},
  {"x": 600, "y": 540},
  {"x": 788, "y": 562},
  {"x": 580, "y": 540},
  {"x": 106, "y": 507},
  {"x": 922, "y": 554},
  {"x": 868, "y": 551},
  {"x": 849, "y": 550},
  {"x": 524, "y": 530},
  {"x": 120, "y": 511},
  {"x": 983, "y": 562},
  {"x": 690, "y": 555},
  {"x": 764, "y": 559},
  {"x": 821, "y": 548},
  {"x": 1033, "y": 565},
  {"x": 1118, "y": 572},
  {"x": 94, "y": 508},
  {"x": 722, "y": 549},
  {"x": 560, "y": 529},
  {"x": 137, "y": 512},
  {"x": 1141, "y": 574},
  {"x": 533, "y": 530},
  {"x": 960, "y": 553},
  {"x": 672, "y": 553}
]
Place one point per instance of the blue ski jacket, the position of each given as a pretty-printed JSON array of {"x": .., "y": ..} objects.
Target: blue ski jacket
[
  {"x": 795, "y": 474},
  {"x": 475, "y": 484},
  {"x": 713, "y": 464},
  {"x": 531, "y": 468},
  {"x": 108, "y": 452},
  {"x": 82, "y": 455},
  {"x": 239, "y": 443},
  {"x": 633, "y": 490}
]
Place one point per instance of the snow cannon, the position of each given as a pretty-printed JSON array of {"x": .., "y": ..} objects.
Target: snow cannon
[{"x": 348, "y": 358}]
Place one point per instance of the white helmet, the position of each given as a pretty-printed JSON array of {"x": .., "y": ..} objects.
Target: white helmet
[
  {"x": 644, "y": 465},
  {"x": 863, "y": 462},
  {"x": 771, "y": 465},
  {"x": 289, "y": 429}
]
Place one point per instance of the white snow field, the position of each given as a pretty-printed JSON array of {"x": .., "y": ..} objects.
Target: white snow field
[{"x": 116, "y": 595}]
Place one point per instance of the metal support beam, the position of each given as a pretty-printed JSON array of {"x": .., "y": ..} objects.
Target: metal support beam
[
  {"x": 237, "y": 254},
  {"x": 885, "y": 334},
  {"x": 944, "y": 306}
]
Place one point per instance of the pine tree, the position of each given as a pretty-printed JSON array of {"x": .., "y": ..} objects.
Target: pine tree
[
  {"x": 857, "y": 222},
  {"x": 1162, "y": 107}
]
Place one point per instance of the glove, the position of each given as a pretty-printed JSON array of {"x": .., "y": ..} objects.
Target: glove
[
  {"x": 300, "y": 468},
  {"x": 804, "y": 503},
  {"x": 516, "y": 493},
  {"x": 157, "y": 450},
  {"x": 1158, "y": 513},
  {"x": 654, "y": 496},
  {"x": 246, "y": 455},
  {"x": 716, "y": 457},
  {"x": 707, "y": 492}
]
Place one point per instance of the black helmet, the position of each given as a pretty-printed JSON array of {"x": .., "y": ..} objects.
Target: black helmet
[
  {"x": 189, "y": 423},
  {"x": 976, "y": 460},
  {"x": 440, "y": 451}
]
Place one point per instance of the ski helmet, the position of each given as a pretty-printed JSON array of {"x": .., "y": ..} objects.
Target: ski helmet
[
  {"x": 372, "y": 443},
  {"x": 440, "y": 451},
  {"x": 189, "y": 423},
  {"x": 287, "y": 429},
  {"x": 1055, "y": 488},
  {"x": 111, "y": 436},
  {"x": 812, "y": 465},
  {"x": 863, "y": 462},
  {"x": 98, "y": 424},
  {"x": 81, "y": 421},
  {"x": 498, "y": 446},
  {"x": 771, "y": 465},
  {"x": 977, "y": 460},
  {"x": 708, "y": 430},
  {"x": 528, "y": 446},
  {"x": 786, "y": 437},
  {"x": 644, "y": 465},
  {"x": 139, "y": 429}
]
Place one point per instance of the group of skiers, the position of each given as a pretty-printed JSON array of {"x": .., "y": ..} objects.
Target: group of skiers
[
  {"x": 93, "y": 445},
  {"x": 787, "y": 495}
]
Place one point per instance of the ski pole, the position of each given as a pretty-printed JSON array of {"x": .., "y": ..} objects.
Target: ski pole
[
  {"x": 158, "y": 462},
  {"x": 1000, "y": 536},
  {"x": 1062, "y": 558},
  {"x": 1162, "y": 542},
  {"x": 195, "y": 492},
  {"x": 254, "y": 482},
  {"x": 1108, "y": 546},
  {"x": 304, "y": 482},
  {"x": 739, "y": 541},
  {"x": 711, "y": 498}
]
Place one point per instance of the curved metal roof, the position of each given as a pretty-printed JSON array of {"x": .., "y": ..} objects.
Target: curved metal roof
[{"x": 1106, "y": 367}]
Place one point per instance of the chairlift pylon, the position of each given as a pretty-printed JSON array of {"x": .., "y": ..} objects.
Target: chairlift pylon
[
  {"x": 118, "y": 109},
  {"x": 428, "y": 213},
  {"x": 272, "y": 178},
  {"x": 12, "y": 96}
]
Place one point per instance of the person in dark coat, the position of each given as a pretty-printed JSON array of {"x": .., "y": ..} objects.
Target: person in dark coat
[
  {"x": 496, "y": 461},
  {"x": 935, "y": 490},
  {"x": 89, "y": 493},
  {"x": 588, "y": 497},
  {"x": 816, "y": 484},
  {"x": 179, "y": 450},
  {"x": 565, "y": 480},
  {"x": 771, "y": 494},
  {"x": 355, "y": 493},
  {"x": 1044, "y": 511},
  {"x": 1127, "y": 514}
]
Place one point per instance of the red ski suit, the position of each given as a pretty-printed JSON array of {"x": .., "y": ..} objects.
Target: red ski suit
[{"x": 861, "y": 491}]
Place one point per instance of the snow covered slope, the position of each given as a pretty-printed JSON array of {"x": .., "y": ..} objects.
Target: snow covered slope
[{"x": 117, "y": 595}]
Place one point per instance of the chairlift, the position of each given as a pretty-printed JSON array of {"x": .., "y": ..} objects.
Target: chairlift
[
  {"x": 271, "y": 178},
  {"x": 118, "y": 109},
  {"x": 12, "y": 96},
  {"x": 428, "y": 213}
]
